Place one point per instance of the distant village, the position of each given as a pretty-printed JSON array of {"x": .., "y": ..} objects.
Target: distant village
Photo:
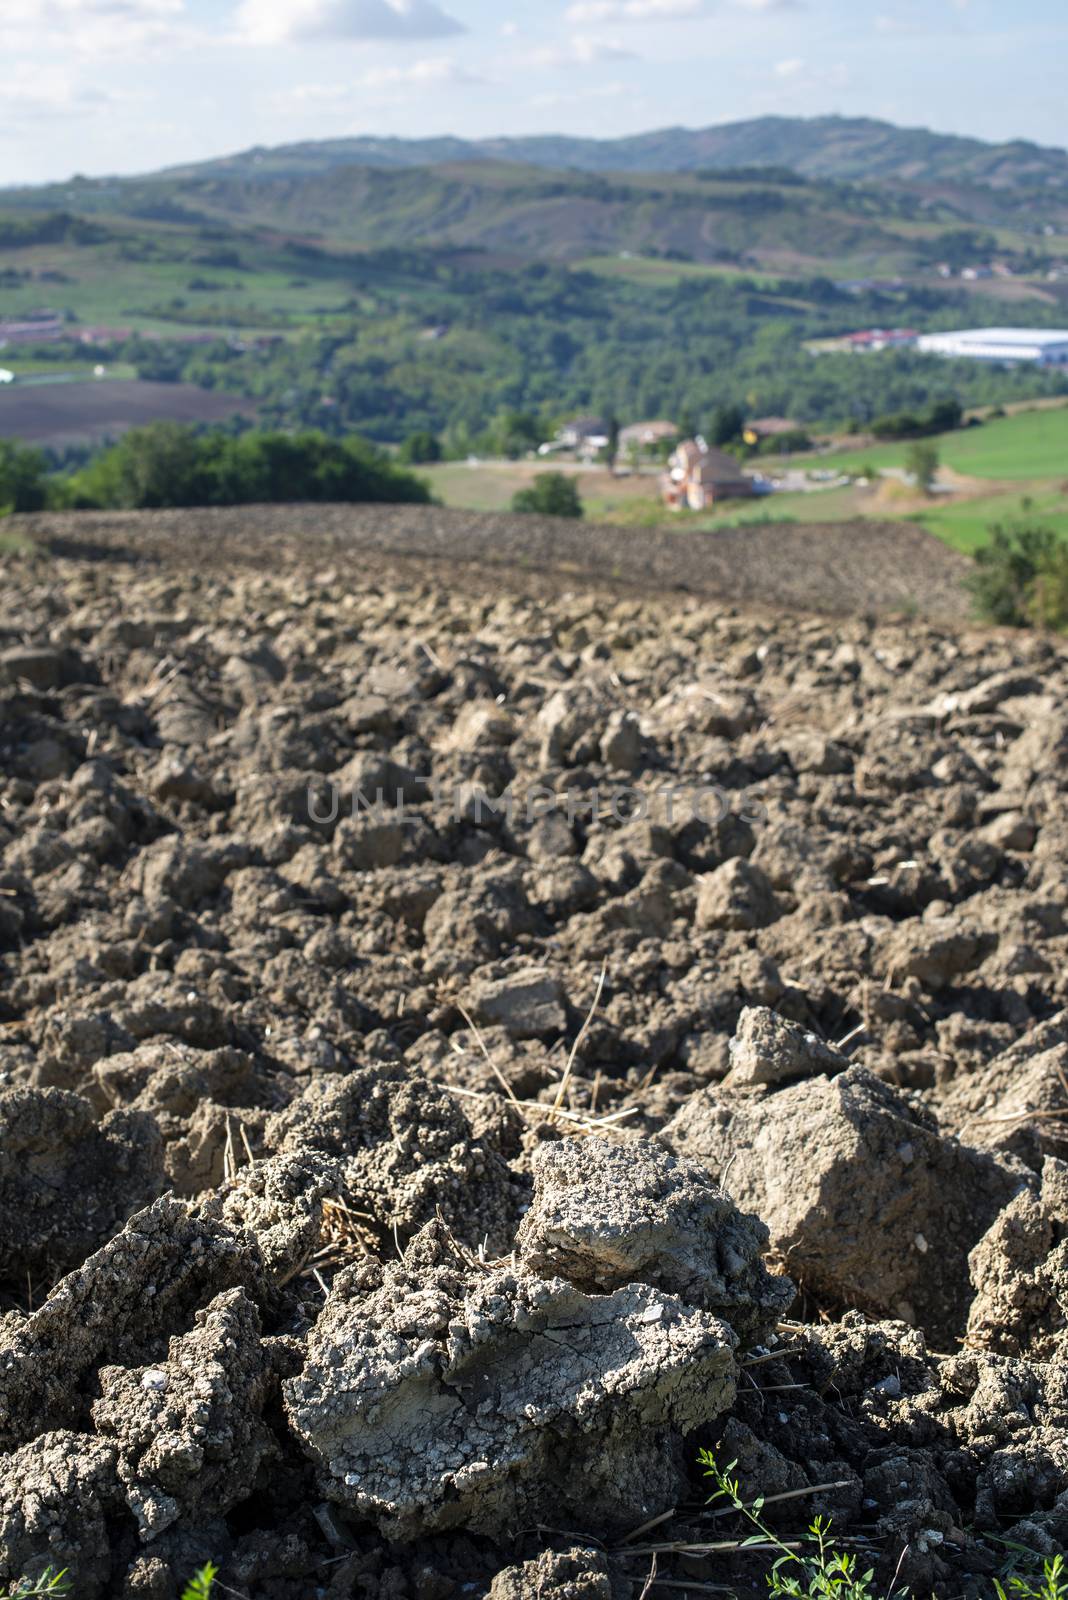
[
  {"x": 695, "y": 475},
  {"x": 1009, "y": 347}
]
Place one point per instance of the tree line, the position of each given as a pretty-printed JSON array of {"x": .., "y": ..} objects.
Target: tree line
[{"x": 167, "y": 464}]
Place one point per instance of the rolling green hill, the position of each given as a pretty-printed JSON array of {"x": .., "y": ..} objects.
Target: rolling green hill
[
  {"x": 847, "y": 197},
  {"x": 527, "y": 212},
  {"x": 859, "y": 148},
  {"x": 763, "y": 221}
]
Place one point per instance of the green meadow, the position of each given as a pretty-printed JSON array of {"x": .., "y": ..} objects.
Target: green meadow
[{"x": 1030, "y": 444}]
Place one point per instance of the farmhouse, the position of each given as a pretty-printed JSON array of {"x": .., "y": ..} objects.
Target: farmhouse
[
  {"x": 646, "y": 435},
  {"x": 698, "y": 477},
  {"x": 1043, "y": 347},
  {"x": 585, "y": 434}
]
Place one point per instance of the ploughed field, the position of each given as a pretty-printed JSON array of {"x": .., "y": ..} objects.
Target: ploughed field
[
  {"x": 91, "y": 412},
  {"x": 832, "y": 567},
  {"x": 398, "y": 1194}
]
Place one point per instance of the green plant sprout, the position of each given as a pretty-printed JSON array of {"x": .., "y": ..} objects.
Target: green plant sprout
[
  {"x": 201, "y": 1585},
  {"x": 1053, "y": 1584},
  {"x": 811, "y": 1570},
  {"x": 50, "y": 1582}
]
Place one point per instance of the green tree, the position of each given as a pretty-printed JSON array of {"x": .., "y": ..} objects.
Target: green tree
[
  {"x": 169, "y": 465},
  {"x": 945, "y": 415},
  {"x": 420, "y": 448},
  {"x": 921, "y": 463},
  {"x": 512, "y": 434},
  {"x": 552, "y": 494},
  {"x": 726, "y": 425},
  {"x": 1049, "y": 594},
  {"x": 159, "y": 465},
  {"x": 612, "y": 449},
  {"x": 1009, "y": 575},
  {"x": 23, "y": 481}
]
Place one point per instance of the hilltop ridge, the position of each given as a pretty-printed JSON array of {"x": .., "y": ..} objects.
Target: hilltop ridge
[{"x": 857, "y": 148}]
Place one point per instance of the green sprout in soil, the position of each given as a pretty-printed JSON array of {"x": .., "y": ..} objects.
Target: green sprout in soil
[
  {"x": 1052, "y": 1585},
  {"x": 50, "y": 1582},
  {"x": 201, "y": 1585},
  {"x": 810, "y": 1570}
]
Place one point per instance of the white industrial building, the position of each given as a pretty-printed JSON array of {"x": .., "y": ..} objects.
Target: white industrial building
[{"x": 1043, "y": 347}]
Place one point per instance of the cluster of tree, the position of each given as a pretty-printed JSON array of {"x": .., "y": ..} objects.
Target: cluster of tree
[
  {"x": 787, "y": 443},
  {"x": 725, "y": 426},
  {"x": 167, "y": 464},
  {"x": 49, "y": 227},
  {"x": 1021, "y": 577},
  {"x": 420, "y": 449},
  {"x": 785, "y": 176},
  {"x": 552, "y": 494},
  {"x": 942, "y": 416},
  {"x": 23, "y": 478},
  {"x": 223, "y": 315}
]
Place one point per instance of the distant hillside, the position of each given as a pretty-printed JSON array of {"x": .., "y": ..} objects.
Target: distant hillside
[
  {"x": 526, "y": 212},
  {"x": 856, "y": 148},
  {"x": 848, "y": 199}
]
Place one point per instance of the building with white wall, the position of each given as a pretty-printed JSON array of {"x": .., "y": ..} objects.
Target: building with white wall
[{"x": 1043, "y": 347}]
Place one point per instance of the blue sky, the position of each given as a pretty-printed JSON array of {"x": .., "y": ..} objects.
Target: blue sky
[{"x": 101, "y": 86}]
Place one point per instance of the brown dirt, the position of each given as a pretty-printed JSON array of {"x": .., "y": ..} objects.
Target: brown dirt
[
  {"x": 838, "y": 568},
  {"x": 676, "y": 1057}
]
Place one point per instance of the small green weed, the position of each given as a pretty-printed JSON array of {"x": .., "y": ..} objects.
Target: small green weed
[
  {"x": 810, "y": 1570},
  {"x": 50, "y": 1582},
  {"x": 201, "y": 1585},
  {"x": 1052, "y": 1585}
]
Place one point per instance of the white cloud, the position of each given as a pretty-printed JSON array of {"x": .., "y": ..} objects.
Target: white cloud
[
  {"x": 442, "y": 70},
  {"x": 589, "y": 50},
  {"x": 605, "y": 91},
  {"x": 582, "y": 50},
  {"x": 107, "y": 28},
  {"x": 280, "y": 21},
  {"x": 39, "y": 13},
  {"x": 380, "y": 85},
  {"x": 584, "y": 11},
  {"x": 314, "y": 94},
  {"x": 798, "y": 80},
  {"x": 44, "y": 91},
  {"x": 592, "y": 11}
]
